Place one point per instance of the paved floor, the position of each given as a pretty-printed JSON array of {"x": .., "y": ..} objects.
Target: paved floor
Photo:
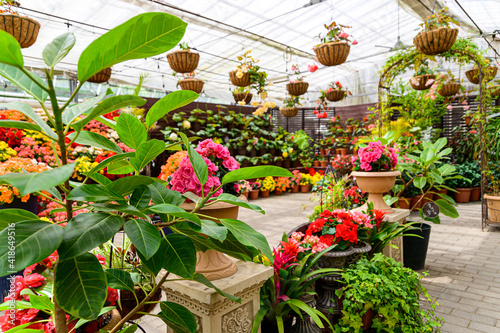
[{"x": 463, "y": 266}]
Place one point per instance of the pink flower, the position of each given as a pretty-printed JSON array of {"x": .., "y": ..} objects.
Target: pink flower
[
  {"x": 329, "y": 89},
  {"x": 464, "y": 102},
  {"x": 312, "y": 68},
  {"x": 34, "y": 280},
  {"x": 449, "y": 107},
  {"x": 371, "y": 126},
  {"x": 231, "y": 164},
  {"x": 354, "y": 42},
  {"x": 467, "y": 107}
]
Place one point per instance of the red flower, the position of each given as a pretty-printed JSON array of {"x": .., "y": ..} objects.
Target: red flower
[
  {"x": 312, "y": 172},
  {"x": 6, "y": 322},
  {"x": 315, "y": 226},
  {"x": 327, "y": 239},
  {"x": 112, "y": 296},
  {"x": 379, "y": 216},
  {"x": 101, "y": 259},
  {"x": 347, "y": 231},
  {"x": 34, "y": 280},
  {"x": 29, "y": 269},
  {"x": 292, "y": 247},
  {"x": 27, "y": 315}
]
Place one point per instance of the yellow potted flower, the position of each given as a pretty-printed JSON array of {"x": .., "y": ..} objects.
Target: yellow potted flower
[
  {"x": 267, "y": 185},
  {"x": 305, "y": 183}
]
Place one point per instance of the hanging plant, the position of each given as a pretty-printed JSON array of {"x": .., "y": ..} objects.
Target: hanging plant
[
  {"x": 334, "y": 47},
  {"x": 290, "y": 108},
  {"x": 494, "y": 89},
  {"x": 102, "y": 76},
  {"x": 448, "y": 85},
  {"x": 424, "y": 76},
  {"x": 190, "y": 82},
  {"x": 489, "y": 74},
  {"x": 24, "y": 29},
  {"x": 242, "y": 95},
  {"x": 297, "y": 87},
  {"x": 183, "y": 60},
  {"x": 335, "y": 92},
  {"x": 438, "y": 34}
]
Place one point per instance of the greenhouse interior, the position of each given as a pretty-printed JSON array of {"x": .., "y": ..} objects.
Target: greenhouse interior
[{"x": 297, "y": 166}]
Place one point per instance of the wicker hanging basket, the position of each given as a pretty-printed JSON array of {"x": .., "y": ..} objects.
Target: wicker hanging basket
[
  {"x": 23, "y": 28},
  {"x": 192, "y": 84},
  {"x": 420, "y": 82},
  {"x": 247, "y": 97},
  {"x": 183, "y": 61},
  {"x": 101, "y": 77},
  {"x": 128, "y": 302},
  {"x": 494, "y": 91},
  {"x": 243, "y": 81},
  {"x": 297, "y": 88},
  {"x": 449, "y": 89},
  {"x": 335, "y": 95},
  {"x": 435, "y": 41},
  {"x": 332, "y": 54},
  {"x": 489, "y": 73},
  {"x": 289, "y": 112}
]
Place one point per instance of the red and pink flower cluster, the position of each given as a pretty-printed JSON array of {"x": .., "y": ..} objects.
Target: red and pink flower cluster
[{"x": 375, "y": 157}]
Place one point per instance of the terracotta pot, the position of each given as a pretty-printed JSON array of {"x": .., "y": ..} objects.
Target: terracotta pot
[
  {"x": 428, "y": 198},
  {"x": 264, "y": 194},
  {"x": 316, "y": 164},
  {"x": 278, "y": 192},
  {"x": 243, "y": 81},
  {"x": 416, "y": 203},
  {"x": 335, "y": 96},
  {"x": 183, "y": 61},
  {"x": 475, "y": 195},
  {"x": 289, "y": 112},
  {"x": 297, "y": 88},
  {"x": 463, "y": 195},
  {"x": 192, "y": 84},
  {"x": 327, "y": 151},
  {"x": 295, "y": 188},
  {"x": 435, "y": 41},
  {"x": 295, "y": 163},
  {"x": 489, "y": 73},
  {"x": 343, "y": 151},
  {"x": 286, "y": 163},
  {"x": 404, "y": 203},
  {"x": 24, "y": 29},
  {"x": 101, "y": 77},
  {"x": 337, "y": 151},
  {"x": 349, "y": 128},
  {"x": 254, "y": 194},
  {"x": 420, "y": 82},
  {"x": 332, "y": 54},
  {"x": 467, "y": 120},
  {"x": 214, "y": 264},
  {"x": 305, "y": 188},
  {"x": 376, "y": 184},
  {"x": 128, "y": 302},
  {"x": 449, "y": 89},
  {"x": 323, "y": 164},
  {"x": 245, "y": 194},
  {"x": 437, "y": 196},
  {"x": 493, "y": 208},
  {"x": 322, "y": 151},
  {"x": 242, "y": 97}
]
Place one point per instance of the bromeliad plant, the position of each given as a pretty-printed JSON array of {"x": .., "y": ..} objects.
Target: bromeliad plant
[{"x": 124, "y": 203}]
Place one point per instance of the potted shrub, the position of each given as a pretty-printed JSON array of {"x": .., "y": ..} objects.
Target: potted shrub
[
  {"x": 254, "y": 192},
  {"x": 22, "y": 28},
  {"x": 242, "y": 95},
  {"x": 266, "y": 186},
  {"x": 282, "y": 184},
  {"x": 335, "y": 92},
  {"x": 183, "y": 60},
  {"x": 462, "y": 185},
  {"x": 334, "y": 47},
  {"x": 424, "y": 76},
  {"x": 290, "y": 107},
  {"x": 190, "y": 82},
  {"x": 437, "y": 35},
  {"x": 297, "y": 87}
]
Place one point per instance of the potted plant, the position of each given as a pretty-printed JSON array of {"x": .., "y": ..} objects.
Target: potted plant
[
  {"x": 305, "y": 183},
  {"x": 254, "y": 192},
  {"x": 437, "y": 35},
  {"x": 245, "y": 188},
  {"x": 462, "y": 185},
  {"x": 335, "y": 92},
  {"x": 474, "y": 174},
  {"x": 242, "y": 95},
  {"x": 334, "y": 47},
  {"x": 188, "y": 81},
  {"x": 248, "y": 73},
  {"x": 290, "y": 107},
  {"x": 295, "y": 181},
  {"x": 266, "y": 186},
  {"x": 448, "y": 85},
  {"x": 468, "y": 115},
  {"x": 282, "y": 184},
  {"x": 322, "y": 161},
  {"x": 494, "y": 89},
  {"x": 183, "y": 60},
  {"x": 489, "y": 74},
  {"x": 22, "y": 28},
  {"x": 195, "y": 119},
  {"x": 424, "y": 76},
  {"x": 297, "y": 87}
]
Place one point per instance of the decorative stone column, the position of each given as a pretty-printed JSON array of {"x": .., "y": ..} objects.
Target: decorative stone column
[
  {"x": 399, "y": 216},
  {"x": 215, "y": 313}
]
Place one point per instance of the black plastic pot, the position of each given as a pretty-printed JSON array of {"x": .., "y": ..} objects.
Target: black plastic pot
[
  {"x": 270, "y": 326},
  {"x": 415, "y": 248},
  {"x": 31, "y": 205}
]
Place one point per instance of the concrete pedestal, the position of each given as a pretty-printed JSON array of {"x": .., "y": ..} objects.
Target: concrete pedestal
[{"x": 215, "y": 313}]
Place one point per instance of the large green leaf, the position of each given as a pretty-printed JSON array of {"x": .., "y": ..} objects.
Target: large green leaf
[
  {"x": 20, "y": 125},
  {"x": 147, "y": 152},
  {"x": 202, "y": 279},
  {"x": 142, "y": 36},
  {"x": 141, "y": 196},
  {"x": 80, "y": 286},
  {"x": 131, "y": 131},
  {"x": 109, "y": 160},
  {"x": 173, "y": 210},
  {"x": 155, "y": 263},
  {"x": 95, "y": 140},
  {"x": 112, "y": 208},
  {"x": 24, "y": 82},
  {"x": 255, "y": 172},
  {"x": 119, "y": 279},
  {"x": 76, "y": 110},
  {"x": 87, "y": 231},
  {"x": 161, "y": 194},
  {"x": 121, "y": 167},
  {"x": 213, "y": 229},
  {"x": 199, "y": 166},
  {"x": 127, "y": 185},
  {"x": 420, "y": 182},
  {"x": 28, "y": 112},
  {"x": 30, "y": 182},
  {"x": 34, "y": 241},
  {"x": 177, "y": 317},
  {"x": 57, "y": 50},
  {"x": 144, "y": 236},
  {"x": 180, "y": 255},
  {"x": 446, "y": 208},
  {"x": 94, "y": 192},
  {"x": 225, "y": 197},
  {"x": 10, "y": 50},
  {"x": 172, "y": 101},
  {"x": 248, "y": 236},
  {"x": 13, "y": 215},
  {"x": 41, "y": 302},
  {"x": 108, "y": 105}
]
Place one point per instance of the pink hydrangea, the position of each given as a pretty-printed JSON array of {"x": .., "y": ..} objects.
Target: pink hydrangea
[
  {"x": 184, "y": 179},
  {"x": 376, "y": 154}
]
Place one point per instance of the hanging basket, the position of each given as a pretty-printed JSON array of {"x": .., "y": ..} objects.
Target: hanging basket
[
  {"x": 289, "y": 112},
  {"x": 242, "y": 97},
  {"x": 297, "y": 88},
  {"x": 128, "y": 302},
  {"x": 192, "y": 84},
  {"x": 489, "y": 73},
  {"x": 494, "y": 91},
  {"x": 335, "y": 95},
  {"x": 435, "y": 41},
  {"x": 243, "y": 81},
  {"x": 23, "y": 28},
  {"x": 449, "y": 89},
  {"x": 420, "y": 82},
  {"x": 332, "y": 54},
  {"x": 101, "y": 77},
  {"x": 183, "y": 61}
]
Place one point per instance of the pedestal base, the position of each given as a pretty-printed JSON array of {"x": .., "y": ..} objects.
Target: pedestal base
[
  {"x": 214, "y": 265},
  {"x": 215, "y": 313}
]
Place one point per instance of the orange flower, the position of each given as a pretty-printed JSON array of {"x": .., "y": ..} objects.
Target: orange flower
[
  {"x": 15, "y": 165},
  {"x": 172, "y": 164}
]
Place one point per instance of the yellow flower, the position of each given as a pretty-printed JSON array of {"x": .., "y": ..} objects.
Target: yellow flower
[
  {"x": 290, "y": 150},
  {"x": 255, "y": 103},
  {"x": 241, "y": 103},
  {"x": 272, "y": 105},
  {"x": 263, "y": 95},
  {"x": 239, "y": 74},
  {"x": 285, "y": 154},
  {"x": 186, "y": 124}
]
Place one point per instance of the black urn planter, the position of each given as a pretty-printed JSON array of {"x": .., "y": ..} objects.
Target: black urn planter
[
  {"x": 270, "y": 326},
  {"x": 31, "y": 205},
  {"x": 415, "y": 248}
]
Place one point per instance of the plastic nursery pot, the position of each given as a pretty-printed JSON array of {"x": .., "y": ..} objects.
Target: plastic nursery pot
[
  {"x": 264, "y": 194},
  {"x": 475, "y": 195},
  {"x": 436, "y": 194},
  {"x": 404, "y": 203},
  {"x": 366, "y": 319},
  {"x": 295, "y": 188},
  {"x": 435, "y": 41},
  {"x": 316, "y": 164},
  {"x": 278, "y": 192},
  {"x": 463, "y": 195},
  {"x": 254, "y": 194},
  {"x": 305, "y": 188},
  {"x": 245, "y": 194},
  {"x": 128, "y": 302},
  {"x": 415, "y": 248}
]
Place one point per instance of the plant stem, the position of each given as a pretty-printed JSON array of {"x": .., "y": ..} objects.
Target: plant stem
[{"x": 72, "y": 96}]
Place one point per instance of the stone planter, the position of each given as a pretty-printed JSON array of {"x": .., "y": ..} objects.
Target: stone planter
[
  {"x": 493, "y": 202},
  {"x": 183, "y": 61},
  {"x": 376, "y": 184},
  {"x": 332, "y": 54},
  {"x": 463, "y": 195},
  {"x": 435, "y": 41}
]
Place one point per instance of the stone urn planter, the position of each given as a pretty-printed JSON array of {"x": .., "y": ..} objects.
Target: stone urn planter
[
  {"x": 335, "y": 95},
  {"x": 289, "y": 112},
  {"x": 489, "y": 73},
  {"x": 243, "y": 81},
  {"x": 183, "y": 61},
  {"x": 22, "y": 28},
  {"x": 420, "y": 82},
  {"x": 238, "y": 97},
  {"x": 493, "y": 202},
  {"x": 297, "y": 88},
  {"x": 435, "y": 41},
  {"x": 101, "y": 77},
  {"x": 449, "y": 89},
  {"x": 191, "y": 84},
  {"x": 332, "y": 54},
  {"x": 376, "y": 184}
]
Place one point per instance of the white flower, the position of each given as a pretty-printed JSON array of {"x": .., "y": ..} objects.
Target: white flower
[
  {"x": 174, "y": 136},
  {"x": 186, "y": 124}
]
